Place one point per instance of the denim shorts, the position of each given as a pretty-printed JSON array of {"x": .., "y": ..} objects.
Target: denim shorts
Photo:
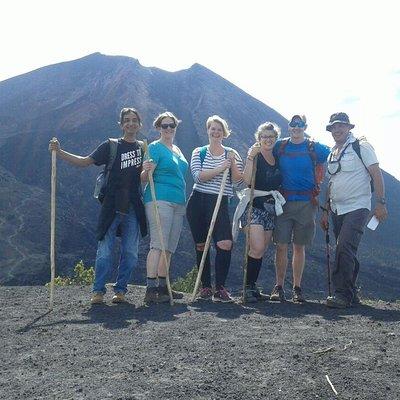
[{"x": 171, "y": 218}]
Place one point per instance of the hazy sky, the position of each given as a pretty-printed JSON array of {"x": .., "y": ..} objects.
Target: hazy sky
[{"x": 312, "y": 57}]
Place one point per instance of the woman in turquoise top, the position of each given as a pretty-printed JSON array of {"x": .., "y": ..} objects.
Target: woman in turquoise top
[{"x": 169, "y": 168}]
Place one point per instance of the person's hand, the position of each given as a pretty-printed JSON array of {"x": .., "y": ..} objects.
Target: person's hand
[
  {"x": 254, "y": 150},
  {"x": 380, "y": 212},
  {"x": 148, "y": 165},
  {"x": 54, "y": 145},
  {"x": 225, "y": 165},
  {"x": 324, "y": 221}
]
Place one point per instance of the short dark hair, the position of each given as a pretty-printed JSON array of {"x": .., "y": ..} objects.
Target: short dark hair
[{"x": 128, "y": 110}]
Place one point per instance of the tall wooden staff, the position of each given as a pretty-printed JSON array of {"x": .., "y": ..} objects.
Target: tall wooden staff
[
  {"x": 249, "y": 211},
  {"x": 158, "y": 222},
  {"x": 210, "y": 231},
  {"x": 53, "y": 223}
]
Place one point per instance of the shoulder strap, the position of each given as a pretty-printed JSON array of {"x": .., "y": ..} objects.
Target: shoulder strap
[
  {"x": 282, "y": 147},
  {"x": 202, "y": 153},
  {"x": 113, "y": 143},
  {"x": 311, "y": 151},
  {"x": 357, "y": 150}
]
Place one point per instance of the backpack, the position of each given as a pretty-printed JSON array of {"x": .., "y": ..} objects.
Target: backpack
[
  {"x": 203, "y": 152},
  {"x": 356, "y": 148},
  {"x": 102, "y": 178},
  {"x": 319, "y": 171}
]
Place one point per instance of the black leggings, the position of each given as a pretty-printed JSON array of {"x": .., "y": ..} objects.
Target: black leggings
[{"x": 199, "y": 212}]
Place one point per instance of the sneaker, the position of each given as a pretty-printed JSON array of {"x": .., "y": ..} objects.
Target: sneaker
[
  {"x": 118, "y": 298},
  {"x": 337, "y": 301},
  {"x": 97, "y": 298},
  {"x": 277, "y": 294},
  {"x": 298, "y": 295},
  {"x": 250, "y": 295},
  {"x": 205, "y": 293},
  {"x": 163, "y": 296},
  {"x": 222, "y": 295},
  {"x": 259, "y": 295},
  {"x": 151, "y": 295}
]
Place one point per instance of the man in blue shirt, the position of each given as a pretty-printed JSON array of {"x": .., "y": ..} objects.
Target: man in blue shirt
[{"x": 300, "y": 161}]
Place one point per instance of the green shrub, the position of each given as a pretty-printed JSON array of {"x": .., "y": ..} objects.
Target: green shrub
[
  {"x": 82, "y": 276},
  {"x": 186, "y": 284}
]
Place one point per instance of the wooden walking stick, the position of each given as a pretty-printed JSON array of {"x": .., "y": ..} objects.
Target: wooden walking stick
[
  {"x": 210, "y": 231},
  {"x": 158, "y": 222},
  {"x": 249, "y": 211},
  {"x": 53, "y": 223}
]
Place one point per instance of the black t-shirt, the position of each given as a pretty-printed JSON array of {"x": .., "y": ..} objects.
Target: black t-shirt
[
  {"x": 268, "y": 177},
  {"x": 123, "y": 185}
]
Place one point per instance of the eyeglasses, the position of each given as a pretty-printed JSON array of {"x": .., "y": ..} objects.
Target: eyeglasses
[
  {"x": 297, "y": 124},
  {"x": 172, "y": 125},
  {"x": 267, "y": 137}
]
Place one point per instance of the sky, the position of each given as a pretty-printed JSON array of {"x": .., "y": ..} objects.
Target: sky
[{"x": 296, "y": 56}]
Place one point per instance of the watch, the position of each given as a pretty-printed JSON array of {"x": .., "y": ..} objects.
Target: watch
[{"x": 381, "y": 200}]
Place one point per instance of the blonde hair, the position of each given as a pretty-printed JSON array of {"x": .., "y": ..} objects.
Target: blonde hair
[
  {"x": 166, "y": 114},
  {"x": 224, "y": 124},
  {"x": 270, "y": 127}
]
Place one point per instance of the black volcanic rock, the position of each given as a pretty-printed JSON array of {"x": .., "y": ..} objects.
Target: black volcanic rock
[{"x": 79, "y": 101}]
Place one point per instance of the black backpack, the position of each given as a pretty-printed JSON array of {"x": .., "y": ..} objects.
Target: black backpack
[
  {"x": 356, "y": 148},
  {"x": 102, "y": 178}
]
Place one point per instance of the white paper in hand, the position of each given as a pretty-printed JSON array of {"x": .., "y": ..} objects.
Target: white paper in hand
[{"x": 373, "y": 223}]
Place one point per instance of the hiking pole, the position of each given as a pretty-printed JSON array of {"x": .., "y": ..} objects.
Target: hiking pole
[
  {"x": 158, "y": 222},
  {"x": 328, "y": 256},
  {"x": 210, "y": 231},
  {"x": 53, "y": 223},
  {"x": 249, "y": 211}
]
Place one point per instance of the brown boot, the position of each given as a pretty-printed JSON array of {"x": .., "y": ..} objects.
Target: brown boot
[{"x": 151, "y": 295}]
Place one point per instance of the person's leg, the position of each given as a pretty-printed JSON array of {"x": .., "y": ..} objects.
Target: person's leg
[
  {"x": 104, "y": 257},
  {"x": 222, "y": 262},
  {"x": 130, "y": 232},
  {"x": 257, "y": 241},
  {"x": 197, "y": 216},
  {"x": 281, "y": 261},
  {"x": 348, "y": 241},
  {"x": 298, "y": 262}
]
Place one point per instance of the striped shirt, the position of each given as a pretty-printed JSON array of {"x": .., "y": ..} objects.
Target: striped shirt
[{"x": 210, "y": 162}]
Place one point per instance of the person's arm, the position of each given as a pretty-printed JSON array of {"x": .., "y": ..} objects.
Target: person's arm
[
  {"x": 236, "y": 167},
  {"x": 253, "y": 151},
  {"x": 200, "y": 175},
  {"x": 150, "y": 163},
  {"x": 380, "y": 208},
  {"x": 73, "y": 159}
]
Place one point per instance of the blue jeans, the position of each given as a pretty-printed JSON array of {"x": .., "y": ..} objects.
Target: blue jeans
[{"x": 129, "y": 228}]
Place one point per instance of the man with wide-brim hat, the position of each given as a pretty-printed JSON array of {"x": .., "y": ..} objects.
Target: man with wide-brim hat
[{"x": 354, "y": 173}]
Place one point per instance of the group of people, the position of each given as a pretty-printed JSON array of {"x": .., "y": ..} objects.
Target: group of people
[{"x": 277, "y": 185}]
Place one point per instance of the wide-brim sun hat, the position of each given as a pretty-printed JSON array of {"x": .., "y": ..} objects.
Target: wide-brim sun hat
[{"x": 341, "y": 118}]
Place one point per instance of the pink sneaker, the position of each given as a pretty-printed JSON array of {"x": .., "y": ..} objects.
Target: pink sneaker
[
  {"x": 205, "y": 293},
  {"x": 223, "y": 296}
]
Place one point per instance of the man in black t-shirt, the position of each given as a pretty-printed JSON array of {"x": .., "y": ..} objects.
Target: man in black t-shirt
[{"x": 122, "y": 208}]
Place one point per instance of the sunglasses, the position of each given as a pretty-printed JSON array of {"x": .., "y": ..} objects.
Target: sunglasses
[
  {"x": 172, "y": 125},
  {"x": 334, "y": 166},
  {"x": 297, "y": 124}
]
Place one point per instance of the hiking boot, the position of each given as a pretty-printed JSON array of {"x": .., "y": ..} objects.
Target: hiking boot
[
  {"x": 177, "y": 295},
  {"x": 97, "y": 298},
  {"x": 337, "y": 301},
  {"x": 222, "y": 295},
  {"x": 355, "y": 301},
  {"x": 118, "y": 297},
  {"x": 205, "y": 293},
  {"x": 151, "y": 295},
  {"x": 298, "y": 295},
  {"x": 277, "y": 294},
  {"x": 163, "y": 296}
]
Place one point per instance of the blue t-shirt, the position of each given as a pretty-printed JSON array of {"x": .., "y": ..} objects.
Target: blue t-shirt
[
  {"x": 297, "y": 167},
  {"x": 169, "y": 175}
]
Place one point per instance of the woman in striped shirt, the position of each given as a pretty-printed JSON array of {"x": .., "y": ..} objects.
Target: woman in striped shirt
[{"x": 207, "y": 166}]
